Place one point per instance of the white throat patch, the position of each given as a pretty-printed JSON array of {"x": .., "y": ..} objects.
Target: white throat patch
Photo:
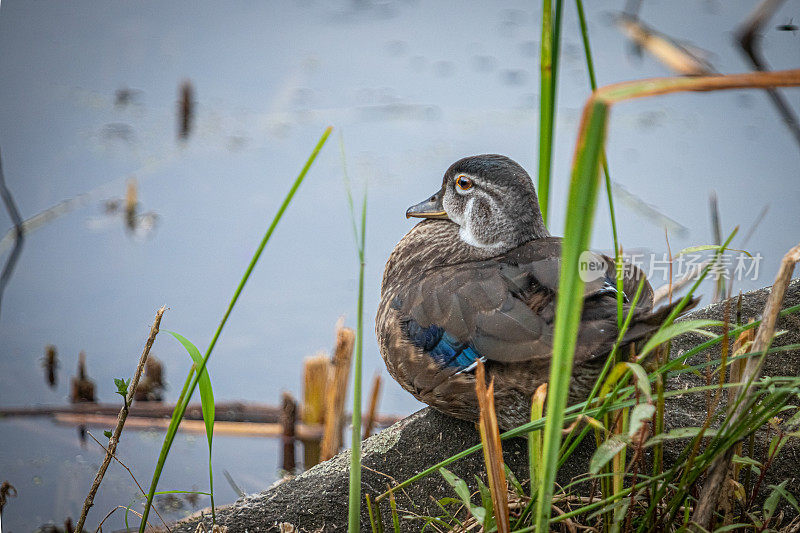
[{"x": 466, "y": 234}]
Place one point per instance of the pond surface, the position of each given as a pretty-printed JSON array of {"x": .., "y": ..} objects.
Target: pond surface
[{"x": 411, "y": 87}]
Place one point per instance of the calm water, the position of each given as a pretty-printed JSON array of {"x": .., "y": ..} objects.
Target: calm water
[{"x": 412, "y": 87}]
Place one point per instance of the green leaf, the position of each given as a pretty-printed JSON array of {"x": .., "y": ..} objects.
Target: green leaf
[
  {"x": 122, "y": 386},
  {"x": 487, "y": 520},
  {"x": 771, "y": 503},
  {"x": 605, "y": 452},
  {"x": 679, "y": 433},
  {"x": 640, "y": 416},
  {"x": 107, "y": 433},
  {"x": 746, "y": 461},
  {"x": 619, "y": 515},
  {"x": 678, "y": 328},
  {"x": 794, "y": 420},
  {"x": 458, "y": 484},
  {"x": 776, "y": 444},
  {"x": 206, "y": 401},
  {"x": 447, "y": 500},
  {"x": 756, "y": 521},
  {"x": 514, "y": 482},
  {"x": 642, "y": 381},
  {"x": 204, "y": 384},
  {"x": 781, "y": 490}
]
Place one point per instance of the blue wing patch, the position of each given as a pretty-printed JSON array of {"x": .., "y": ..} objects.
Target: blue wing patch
[{"x": 442, "y": 347}]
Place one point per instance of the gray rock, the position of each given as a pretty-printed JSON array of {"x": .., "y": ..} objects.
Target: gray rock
[{"x": 317, "y": 499}]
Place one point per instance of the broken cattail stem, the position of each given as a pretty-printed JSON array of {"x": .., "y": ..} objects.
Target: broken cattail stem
[
  {"x": 288, "y": 421},
  {"x": 742, "y": 345},
  {"x": 492, "y": 450},
  {"x": 186, "y": 105},
  {"x": 82, "y": 386},
  {"x": 131, "y": 203},
  {"x": 336, "y": 391},
  {"x": 315, "y": 381},
  {"x": 372, "y": 410},
  {"x": 50, "y": 364}
]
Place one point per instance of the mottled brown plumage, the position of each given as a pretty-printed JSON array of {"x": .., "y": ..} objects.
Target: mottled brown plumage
[{"x": 485, "y": 287}]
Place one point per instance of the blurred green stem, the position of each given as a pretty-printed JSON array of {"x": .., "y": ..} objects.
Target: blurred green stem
[{"x": 548, "y": 65}]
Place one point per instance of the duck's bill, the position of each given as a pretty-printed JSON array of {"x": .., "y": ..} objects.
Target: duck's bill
[{"x": 430, "y": 208}]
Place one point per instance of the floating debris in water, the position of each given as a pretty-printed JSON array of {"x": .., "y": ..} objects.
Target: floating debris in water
[
  {"x": 138, "y": 224},
  {"x": 50, "y": 364},
  {"x": 126, "y": 96},
  {"x": 7, "y": 490},
  {"x": 186, "y": 106},
  {"x": 151, "y": 386},
  {"x": 82, "y": 387},
  {"x": 131, "y": 203},
  {"x": 787, "y": 27}
]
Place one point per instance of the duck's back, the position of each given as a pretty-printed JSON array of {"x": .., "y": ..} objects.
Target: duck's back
[{"x": 445, "y": 305}]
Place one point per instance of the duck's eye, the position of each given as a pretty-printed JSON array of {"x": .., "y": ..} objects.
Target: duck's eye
[{"x": 464, "y": 183}]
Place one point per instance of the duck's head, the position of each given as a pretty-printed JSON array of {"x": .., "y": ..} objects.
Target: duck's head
[{"x": 492, "y": 200}]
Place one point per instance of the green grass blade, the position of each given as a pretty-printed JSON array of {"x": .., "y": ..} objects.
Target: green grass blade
[
  {"x": 207, "y": 406},
  {"x": 548, "y": 64},
  {"x": 354, "y": 494},
  {"x": 395, "y": 517},
  {"x": 673, "y": 330},
  {"x": 581, "y": 204},
  {"x": 180, "y": 407},
  {"x": 587, "y": 49}
]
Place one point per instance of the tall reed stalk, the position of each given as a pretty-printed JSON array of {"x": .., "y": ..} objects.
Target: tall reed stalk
[
  {"x": 548, "y": 67},
  {"x": 354, "y": 496}
]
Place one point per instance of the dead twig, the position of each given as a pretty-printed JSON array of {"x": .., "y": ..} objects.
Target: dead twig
[
  {"x": 123, "y": 414},
  {"x": 19, "y": 233},
  {"x": 112, "y": 511},
  {"x": 670, "y": 52},
  {"x": 749, "y": 38},
  {"x": 123, "y": 465},
  {"x": 707, "y": 504}
]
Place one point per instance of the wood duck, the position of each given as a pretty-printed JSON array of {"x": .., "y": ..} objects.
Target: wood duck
[{"x": 478, "y": 280}]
